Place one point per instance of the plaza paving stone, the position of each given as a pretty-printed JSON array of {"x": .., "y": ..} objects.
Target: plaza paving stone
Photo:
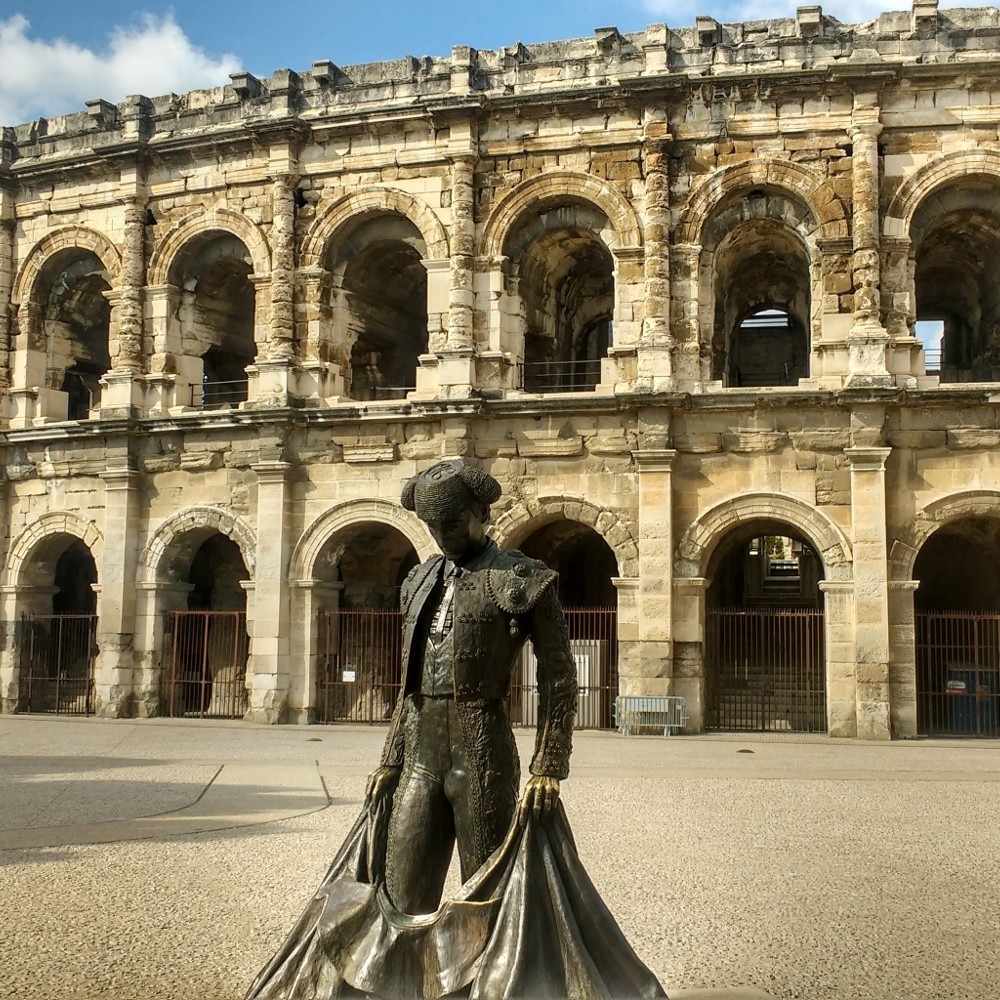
[{"x": 165, "y": 860}]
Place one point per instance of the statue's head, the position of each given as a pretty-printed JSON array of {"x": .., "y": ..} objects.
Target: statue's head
[{"x": 453, "y": 499}]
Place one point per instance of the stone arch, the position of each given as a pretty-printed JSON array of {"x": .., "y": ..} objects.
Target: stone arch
[
  {"x": 556, "y": 184},
  {"x": 707, "y": 530},
  {"x": 46, "y": 527},
  {"x": 66, "y": 238},
  {"x": 323, "y": 528},
  {"x": 168, "y": 252},
  {"x": 924, "y": 181},
  {"x": 349, "y": 208},
  {"x": 200, "y": 518},
  {"x": 799, "y": 181},
  {"x": 973, "y": 503},
  {"x": 520, "y": 520}
]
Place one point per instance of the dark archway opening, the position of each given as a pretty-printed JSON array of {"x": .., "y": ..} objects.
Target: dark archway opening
[
  {"x": 587, "y": 568},
  {"x": 57, "y": 637},
  {"x": 765, "y": 667},
  {"x": 380, "y": 305},
  {"x": 77, "y": 321},
  {"x": 762, "y": 306},
  {"x": 208, "y": 644},
  {"x": 217, "y": 319},
  {"x": 566, "y": 283},
  {"x": 957, "y": 255},
  {"x": 359, "y": 649},
  {"x": 957, "y": 618}
]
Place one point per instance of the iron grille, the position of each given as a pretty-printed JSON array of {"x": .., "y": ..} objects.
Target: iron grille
[
  {"x": 765, "y": 670},
  {"x": 360, "y": 667},
  {"x": 206, "y": 676},
  {"x": 57, "y": 654},
  {"x": 958, "y": 674},
  {"x": 561, "y": 376}
]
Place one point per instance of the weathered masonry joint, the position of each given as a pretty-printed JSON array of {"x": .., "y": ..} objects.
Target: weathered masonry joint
[{"x": 717, "y": 305}]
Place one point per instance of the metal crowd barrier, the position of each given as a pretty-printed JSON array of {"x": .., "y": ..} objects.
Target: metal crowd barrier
[{"x": 668, "y": 713}]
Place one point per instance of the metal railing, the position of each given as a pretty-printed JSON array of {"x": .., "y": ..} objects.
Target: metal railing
[
  {"x": 57, "y": 654},
  {"x": 932, "y": 360},
  {"x": 206, "y": 656},
  {"x": 958, "y": 673},
  {"x": 216, "y": 395},
  {"x": 561, "y": 376},
  {"x": 765, "y": 670},
  {"x": 360, "y": 664},
  {"x": 360, "y": 667},
  {"x": 392, "y": 391},
  {"x": 593, "y": 638}
]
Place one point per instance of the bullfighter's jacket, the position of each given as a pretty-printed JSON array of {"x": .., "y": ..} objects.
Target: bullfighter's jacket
[{"x": 501, "y": 599}]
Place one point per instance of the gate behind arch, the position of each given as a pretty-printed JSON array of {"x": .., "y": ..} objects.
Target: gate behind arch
[{"x": 765, "y": 668}]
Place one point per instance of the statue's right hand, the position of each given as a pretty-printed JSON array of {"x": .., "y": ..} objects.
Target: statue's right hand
[{"x": 379, "y": 780}]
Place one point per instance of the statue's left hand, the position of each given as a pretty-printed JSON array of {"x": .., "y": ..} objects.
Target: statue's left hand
[{"x": 540, "y": 796}]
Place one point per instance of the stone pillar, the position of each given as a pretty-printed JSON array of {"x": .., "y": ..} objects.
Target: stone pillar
[
  {"x": 129, "y": 356},
  {"x": 689, "y": 639},
  {"x": 630, "y": 645},
  {"x": 116, "y": 594},
  {"x": 282, "y": 340},
  {"x": 463, "y": 248},
  {"x": 871, "y": 606},
  {"x": 268, "y": 671},
  {"x": 902, "y": 659},
  {"x": 309, "y": 599},
  {"x": 690, "y": 367},
  {"x": 655, "y": 364},
  {"x": 841, "y": 667},
  {"x": 868, "y": 339},
  {"x": 153, "y": 657},
  {"x": 456, "y": 363},
  {"x": 6, "y": 289},
  {"x": 656, "y": 545}
]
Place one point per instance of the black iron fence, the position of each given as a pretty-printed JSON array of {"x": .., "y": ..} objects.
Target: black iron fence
[
  {"x": 360, "y": 667},
  {"x": 205, "y": 660},
  {"x": 56, "y": 656},
  {"x": 958, "y": 673},
  {"x": 561, "y": 376},
  {"x": 218, "y": 395},
  {"x": 765, "y": 670}
]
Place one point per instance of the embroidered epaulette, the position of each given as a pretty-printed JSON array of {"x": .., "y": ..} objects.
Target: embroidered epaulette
[
  {"x": 516, "y": 582},
  {"x": 414, "y": 579}
]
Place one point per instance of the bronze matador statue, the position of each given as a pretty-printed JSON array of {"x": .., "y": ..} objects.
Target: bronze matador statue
[
  {"x": 466, "y": 616},
  {"x": 527, "y": 922}
]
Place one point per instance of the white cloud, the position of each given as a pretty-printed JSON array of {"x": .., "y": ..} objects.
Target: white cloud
[
  {"x": 40, "y": 77},
  {"x": 681, "y": 13}
]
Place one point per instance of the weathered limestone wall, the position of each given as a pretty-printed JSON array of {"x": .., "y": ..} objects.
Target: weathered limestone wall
[{"x": 596, "y": 219}]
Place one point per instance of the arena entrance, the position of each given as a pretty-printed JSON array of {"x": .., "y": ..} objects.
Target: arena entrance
[
  {"x": 586, "y": 566},
  {"x": 765, "y": 667},
  {"x": 359, "y": 643},
  {"x": 957, "y": 622},
  {"x": 207, "y": 645},
  {"x": 57, "y": 644}
]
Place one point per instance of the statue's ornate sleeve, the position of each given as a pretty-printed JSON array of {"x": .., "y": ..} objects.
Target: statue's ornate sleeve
[
  {"x": 392, "y": 752},
  {"x": 558, "y": 687}
]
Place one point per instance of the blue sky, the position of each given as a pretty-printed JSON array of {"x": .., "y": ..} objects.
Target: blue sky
[{"x": 54, "y": 54}]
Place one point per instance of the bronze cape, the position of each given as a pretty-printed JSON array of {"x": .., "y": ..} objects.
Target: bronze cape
[{"x": 528, "y": 924}]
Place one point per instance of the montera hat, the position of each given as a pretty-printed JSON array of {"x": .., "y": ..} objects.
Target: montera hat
[{"x": 449, "y": 488}]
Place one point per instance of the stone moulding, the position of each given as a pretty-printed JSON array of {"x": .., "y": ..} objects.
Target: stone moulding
[
  {"x": 348, "y": 514},
  {"x": 52, "y": 243},
  {"x": 704, "y": 533},
  {"x": 26, "y": 544},
  {"x": 200, "y": 518},
  {"x": 523, "y": 517}
]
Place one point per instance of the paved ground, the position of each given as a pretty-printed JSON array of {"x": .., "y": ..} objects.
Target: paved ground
[{"x": 166, "y": 860}]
